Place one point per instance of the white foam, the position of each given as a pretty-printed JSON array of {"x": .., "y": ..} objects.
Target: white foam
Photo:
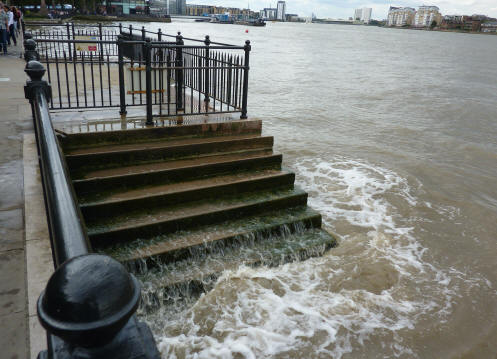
[{"x": 329, "y": 306}]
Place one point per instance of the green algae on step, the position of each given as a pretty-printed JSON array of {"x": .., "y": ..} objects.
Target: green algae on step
[
  {"x": 209, "y": 188},
  {"x": 164, "y": 220},
  {"x": 163, "y": 151},
  {"x": 198, "y": 242}
]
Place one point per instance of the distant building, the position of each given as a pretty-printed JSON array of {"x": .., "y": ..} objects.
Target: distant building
[
  {"x": 426, "y": 15},
  {"x": 363, "y": 15},
  {"x": 400, "y": 16},
  {"x": 489, "y": 26},
  {"x": 280, "y": 11},
  {"x": 292, "y": 17},
  {"x": 357, "y": 14},
  {"x": 471, "y": 23},
  {"x": 176, "y": 7},
  {"x": 125, "y": 7},
  {"x": 268, "y": 13}
]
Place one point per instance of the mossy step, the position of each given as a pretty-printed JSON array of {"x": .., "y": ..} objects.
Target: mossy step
[
  {"x": 118, "y": 157},
  {"x": 97, "y": 139},
  {"x": 149, "y": 223},
  {"x": 175, "y": 171},
  {"x": 118, "y": 203},
  {"x": 169, "y": 283},
  {"x": 214, "y": 238}
]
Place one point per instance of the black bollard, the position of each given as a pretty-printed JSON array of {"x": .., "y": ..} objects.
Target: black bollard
[
  {"x": 30, "y": 52},
  {"x": 88, "y": 308}
]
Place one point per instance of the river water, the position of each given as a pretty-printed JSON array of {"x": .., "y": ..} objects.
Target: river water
[{"x": 394, "y": 135}]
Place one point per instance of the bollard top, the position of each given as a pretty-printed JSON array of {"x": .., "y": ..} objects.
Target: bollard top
[
  {"x": 30, "y": 44},
  {"x": 27, "y": 36},
  {"x": 88, "y": 300},
  {"x": 35, "y": 70}
]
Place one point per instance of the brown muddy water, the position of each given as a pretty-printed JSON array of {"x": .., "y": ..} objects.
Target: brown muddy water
[{"x": 394, "y": 135}]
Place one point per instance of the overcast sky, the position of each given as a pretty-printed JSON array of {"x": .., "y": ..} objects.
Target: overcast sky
[{"x": 345, "y": 8}]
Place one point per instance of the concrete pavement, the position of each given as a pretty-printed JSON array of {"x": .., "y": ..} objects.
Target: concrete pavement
[{"x": 15, "y": 121}]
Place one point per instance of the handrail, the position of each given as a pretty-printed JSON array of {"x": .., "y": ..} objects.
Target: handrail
[
  {"x": 69, "y": 237},
  {"x": 89, "y": 302}
]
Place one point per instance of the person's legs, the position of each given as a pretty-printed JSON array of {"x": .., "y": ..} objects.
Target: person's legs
[
  {"x": 12, "y": 33},
  {"x": 3, "y": 41}
]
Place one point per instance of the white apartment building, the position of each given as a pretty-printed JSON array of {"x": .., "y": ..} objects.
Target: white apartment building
[
  {"x": 400, "y": 16},
  {"x": 366, "y": 15},
  {"x": 426, "y": 15},
  {"x": 357, "y": 14},
  {"x": 281, "y": 10},
  {"x": 363, "y": 15},
  {"x": 268, "y": 13}
]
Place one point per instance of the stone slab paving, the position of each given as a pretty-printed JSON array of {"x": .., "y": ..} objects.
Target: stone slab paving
[{"x": 14, "y": 122}]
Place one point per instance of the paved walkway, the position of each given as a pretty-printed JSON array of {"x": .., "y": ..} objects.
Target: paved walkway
[{"x": 14, "y": 122}]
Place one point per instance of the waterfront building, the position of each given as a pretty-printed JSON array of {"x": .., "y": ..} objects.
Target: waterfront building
[
  {"x": 489, "y": 26},
  {"x": 176, "y": 7},
  {"x": 126, "y": 7},
  {"x": 268, "y": 13},
  {"x": 400, "y": 16},
  {"x": 280, "y": 11},
  {"x": 426, "y": 15},
  {"x": 357, "y": 14},
  {"x": 292, "y": 17},
  {"x": 363, "y": 15}
]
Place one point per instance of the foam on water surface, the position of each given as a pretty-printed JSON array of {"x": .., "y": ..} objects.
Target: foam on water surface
[{"x": 365, "y": 296}]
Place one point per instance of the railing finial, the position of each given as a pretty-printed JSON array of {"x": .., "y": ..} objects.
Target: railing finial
[
  {"x": 207, "y": 41},
  {"x": 36, "y": 71},
  {"x": 88, "y": 300},
  {"x": 30, "y": 52}
]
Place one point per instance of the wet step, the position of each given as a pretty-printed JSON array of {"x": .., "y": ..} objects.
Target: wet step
[
  {"x": 214, "y": 238},
  {"x": 168, "y": 283},
  {"x": 97, "y": 139},
  {"x": 115, "y": 203},
  {"x": 174, "y": 171},
  {"x": 148, "y": 223},
  {"x": 84, "y": 160}
]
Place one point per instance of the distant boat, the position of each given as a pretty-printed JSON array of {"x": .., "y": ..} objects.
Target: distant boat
[
  {"x": 207, "y": 19},
  {"x": 252, "y": 22},
  {"x": 215, "y": 20}
]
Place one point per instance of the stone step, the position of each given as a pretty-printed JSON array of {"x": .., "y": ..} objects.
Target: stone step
[
  {"x": 213, "y": 238},
  {"x": 148, "y": 223},
  {"x": 174, "y": 171},
  {"x": 117, "y": 156},
  {"x": 118, "y": 203},
  {"x": 173, "y": 283},
  {"x": 98, "y": 139}
]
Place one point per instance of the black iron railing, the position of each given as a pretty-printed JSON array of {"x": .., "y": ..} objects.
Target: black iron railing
[
  {"x": 89, "y": 302},
  {"x": 131, "y": 67}
]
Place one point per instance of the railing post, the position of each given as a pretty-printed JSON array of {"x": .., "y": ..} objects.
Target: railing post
[
  {"x": 100, "y": 36},
  {"x": 30, "y": 52},
  {"x": 179, "y": 73},
  {"x": 246, "y": 67},
  {"x": 130, "y": 31},
  {"x": 207, "y": 42},
  {"x": 120, "y": 29},
  {"x": 143, "y": 33},
  {"x": 159, "y": 35},
  {"x": 122, "y": 94},
  {"x": 69, "y": 38},
  {"x": 148, "y": 80}
]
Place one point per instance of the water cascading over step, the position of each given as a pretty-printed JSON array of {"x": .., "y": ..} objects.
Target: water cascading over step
[{"x": 180, "y": 204}]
